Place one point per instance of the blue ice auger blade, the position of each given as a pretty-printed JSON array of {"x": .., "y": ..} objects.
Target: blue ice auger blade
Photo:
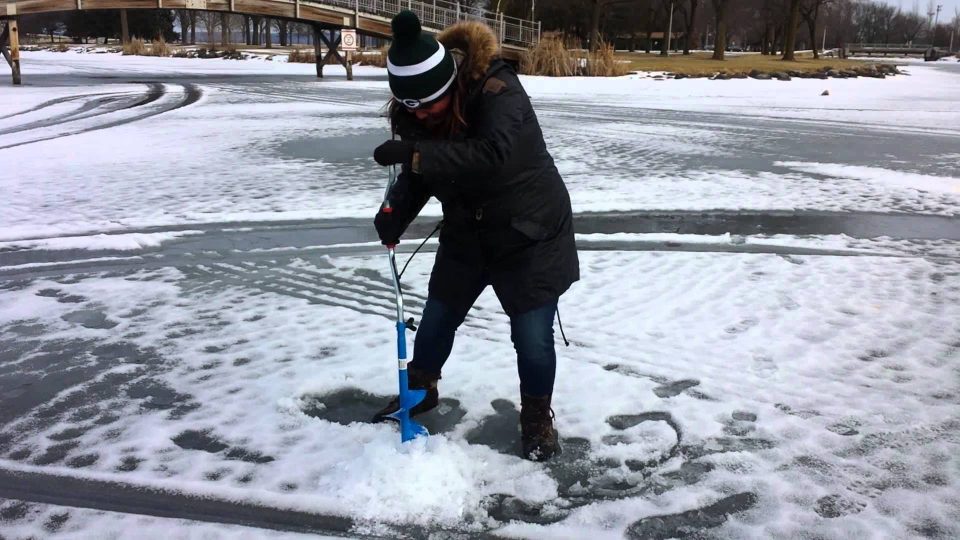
[{"x": 409, "y": 429}]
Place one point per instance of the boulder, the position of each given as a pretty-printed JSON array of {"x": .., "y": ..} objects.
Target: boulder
[
  {"x": 825, "y": 93},
  {"x": 760, "y": 75}
]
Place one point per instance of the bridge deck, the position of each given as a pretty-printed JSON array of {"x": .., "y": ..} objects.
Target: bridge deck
[
  {"x": 890, "y": 48},
  {"x": 371, "y": 17}
]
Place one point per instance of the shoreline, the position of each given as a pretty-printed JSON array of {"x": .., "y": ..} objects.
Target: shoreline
[{"x": 843, "y": 69}]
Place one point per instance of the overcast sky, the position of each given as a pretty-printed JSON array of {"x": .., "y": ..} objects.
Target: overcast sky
[{"x": 946, "y": 14}]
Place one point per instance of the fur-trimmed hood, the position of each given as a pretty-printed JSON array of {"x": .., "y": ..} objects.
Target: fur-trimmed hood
[{"x": 476, "y": 44}]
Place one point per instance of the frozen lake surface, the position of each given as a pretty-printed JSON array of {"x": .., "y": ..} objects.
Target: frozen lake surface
[{"x": 195, "y": 315}]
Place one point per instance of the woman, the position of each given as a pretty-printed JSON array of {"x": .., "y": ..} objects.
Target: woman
[{"x": 470, "y": 138}]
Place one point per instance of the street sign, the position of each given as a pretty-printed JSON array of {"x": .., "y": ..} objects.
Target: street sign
[{"x": 348, "y": 40}]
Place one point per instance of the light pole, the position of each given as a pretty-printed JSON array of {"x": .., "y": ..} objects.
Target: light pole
[
  {"x": 933, "y": 40},
  {"x": 670, "y": 28}
]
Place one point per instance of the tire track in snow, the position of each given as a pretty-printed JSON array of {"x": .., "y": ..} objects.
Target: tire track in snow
[
  {"x": 192, "y": 94},
  {"x": 272, "y": 284},
  {"x": 292, "y": 95},
  {"x": 114, "y": 496},
  {"x": 155, "y": 92},
  {"x": 57, "y": 101},
  {"x": 329, "y": 289}
]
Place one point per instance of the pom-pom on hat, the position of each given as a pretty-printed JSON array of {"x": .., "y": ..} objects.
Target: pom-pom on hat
[{"x": 420, "y": 69}]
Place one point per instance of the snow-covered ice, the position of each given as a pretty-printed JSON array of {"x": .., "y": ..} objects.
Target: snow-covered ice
[
  {"x": 189, "y": 304},
  {"x": 256, "y": 140},
  {"x": 32, "y": 520},
  {"x": 815, "y": 382}
]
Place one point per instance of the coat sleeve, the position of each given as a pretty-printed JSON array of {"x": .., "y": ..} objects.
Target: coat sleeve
[
  {"x": 480, "y": 157},
  {"x": 407, "y": 198}
]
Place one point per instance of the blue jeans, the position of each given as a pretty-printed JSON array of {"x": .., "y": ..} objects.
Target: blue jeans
[{"x": 531, "y": 333}]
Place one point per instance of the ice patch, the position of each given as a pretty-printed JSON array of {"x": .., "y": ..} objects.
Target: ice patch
[
  {"x": 898, "y": 179},
  {"x": 117, "y": 242}
]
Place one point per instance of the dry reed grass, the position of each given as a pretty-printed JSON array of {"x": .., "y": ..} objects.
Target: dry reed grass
[
  {"x": 554, "y": 58},
  {"x": 159, "y": 47},
  {"x": 302, "y": 56},
  {"x": 136, "y": 47},
  {"x": 376, "y": 58}
]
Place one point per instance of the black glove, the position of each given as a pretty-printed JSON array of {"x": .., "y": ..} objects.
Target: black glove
[
  {"x": 394, "y": 153},
  {"x": 388, "y": 227}
]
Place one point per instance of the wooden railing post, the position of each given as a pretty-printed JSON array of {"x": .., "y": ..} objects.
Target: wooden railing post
[
  {"x": 14, "y": 37},
  {"x": 317, "y": 34},
  {"x": 124, "y": 28}
]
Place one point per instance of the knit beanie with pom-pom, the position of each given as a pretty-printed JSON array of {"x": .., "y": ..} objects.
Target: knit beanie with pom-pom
[{"x": 420, "y": 69}]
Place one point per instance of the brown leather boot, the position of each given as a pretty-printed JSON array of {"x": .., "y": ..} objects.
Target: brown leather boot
[
  {"x": 416, "y": 380},
  {"x": 538, "y": 438}
]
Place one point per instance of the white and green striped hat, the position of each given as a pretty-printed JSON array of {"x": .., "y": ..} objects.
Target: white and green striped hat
[{"x": 420, "y": 69}]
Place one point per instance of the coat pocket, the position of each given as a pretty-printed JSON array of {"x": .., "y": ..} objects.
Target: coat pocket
[{"x": 531, "y": 229}]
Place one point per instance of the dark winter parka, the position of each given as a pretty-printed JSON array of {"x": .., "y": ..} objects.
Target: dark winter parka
[{"x": 507, "y": 219}]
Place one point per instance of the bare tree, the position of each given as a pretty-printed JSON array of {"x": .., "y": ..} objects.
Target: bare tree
[
  {"x": 193, "y": 27},
  {"x": 790, "y": 37},
  {"x": 282, "y": 30},
  {"x": 184, "y": 21},
  {"x": 810, "y": 10},
  {"x": 955, "y": 33},
  {"x": 909, "y": 25},
  {"x": 651, "y": 16},
  {"x": 874, "y": 22},
  {"x": 767, "y": 25},
  {"x": 689, "y": 16},
  {"x": 720, "y": 8},
  {"x": 210, "y": 21},
  {"x": 599, "y": 8},
  {"x": 770, "y": 11},
  {"x": 224, "y": 29},
  {"x": 667, "y": 5}
]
